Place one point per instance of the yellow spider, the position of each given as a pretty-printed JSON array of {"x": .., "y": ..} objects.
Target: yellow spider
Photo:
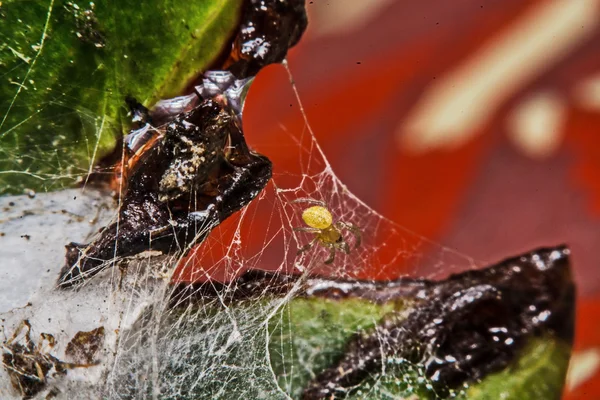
[{"x": 327, "y": 233}]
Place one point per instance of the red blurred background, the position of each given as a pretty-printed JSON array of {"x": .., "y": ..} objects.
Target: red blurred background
[{"x": 475, "y": 123}]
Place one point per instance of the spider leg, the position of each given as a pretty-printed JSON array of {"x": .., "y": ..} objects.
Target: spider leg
[
  {"x": 307, "y": 229},
  {"x": 343, "y": 246},
  {"x": 355, "y": 230},
  {"x": 306, "y": 246},
  {"x": 310, "y": 201},
  {"x": 331, "y": 255}
]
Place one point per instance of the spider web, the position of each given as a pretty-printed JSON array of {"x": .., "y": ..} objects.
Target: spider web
[{"x": 166, "y": 339}]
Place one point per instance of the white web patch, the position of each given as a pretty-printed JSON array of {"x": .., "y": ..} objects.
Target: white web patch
[{"x": 210, "y": 347}]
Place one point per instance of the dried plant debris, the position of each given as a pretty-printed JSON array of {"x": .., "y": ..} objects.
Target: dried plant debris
[
  {"x": 187, "y": 166},
  {"x": 459, "y": 329},
  {"x": 30, "y": 365},
  {"x": 180, "y": 188},
  {"x": 84, "y": 347}
]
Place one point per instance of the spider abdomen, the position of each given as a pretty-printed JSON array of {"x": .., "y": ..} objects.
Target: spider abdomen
[{"x": 317, "y": 217}]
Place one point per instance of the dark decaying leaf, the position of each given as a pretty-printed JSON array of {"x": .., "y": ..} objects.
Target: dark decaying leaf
[
  {"x": 67, "y": 67},
  {"x": 193, "y": 169},
  {"x": 431, "y": 338},
  {"x": 465, "y": 327}
]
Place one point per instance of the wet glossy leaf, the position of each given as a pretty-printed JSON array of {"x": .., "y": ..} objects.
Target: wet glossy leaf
[
  {"x": 67, "y": 67},
  {"x": 539, "y": 374},
  {"x": 313, "y": 334}
]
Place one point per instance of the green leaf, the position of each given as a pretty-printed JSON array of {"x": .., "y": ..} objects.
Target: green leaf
[
  {"x": 67, "y": 67},
  {"x": 275, "y": 347},
  {"x": 311, "y": 335},
  {"x": 539, "y": 374}
]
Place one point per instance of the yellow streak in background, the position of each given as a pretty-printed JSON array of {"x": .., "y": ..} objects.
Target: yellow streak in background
[
  {"x": 583, "y": 366},
  {"x": 340, "y": 17},
  {"x": 536, "y": 124},
  {"x": 451, "y": 111}
]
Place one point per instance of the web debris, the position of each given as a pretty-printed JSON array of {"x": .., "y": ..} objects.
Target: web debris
[
  {"x": 214, "y": 348},
  {"x": 189, "y": 349}
]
